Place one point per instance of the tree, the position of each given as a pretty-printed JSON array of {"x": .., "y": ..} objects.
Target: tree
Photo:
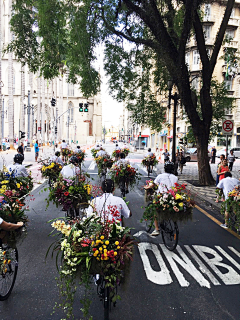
[{"x": 70, "y": 31}]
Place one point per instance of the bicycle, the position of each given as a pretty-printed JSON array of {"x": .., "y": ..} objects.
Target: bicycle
[
  {"x": 122, "y": 187},
  {"x": 105, "y": 293},
  {"x": 169, "y": 231},
  {"x": 8, "y": 272}
]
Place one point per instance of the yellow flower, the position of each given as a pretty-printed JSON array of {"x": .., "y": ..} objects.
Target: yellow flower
[
  {"x": 116, "y": 243},
  {"x": 100, "y": 248},
  {"x": 2, "y": 191},
  {"x": 9, "y": 261},
  {"x": 115, "y": 253},
  {"x": 178, "y": 196},
  {"x": 102, "y": 237},
  {"x": 180, "y": 204},
  {"x": 104, "y": 246},
  {"x": 105, "y": 250},
  {"x": 118, "y": 247},
  {"x": 18, "y": 185},
  {"x": 107, "y": 242},
  {"x": 92, "y": 243},
  {"x": 4, "y": 187}
]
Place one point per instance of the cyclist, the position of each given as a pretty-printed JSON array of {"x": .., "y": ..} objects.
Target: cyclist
[
  {"x": 17, "y": 168},
  {"x": 78, "y": 150},
  {"x": 149, "y": 154},
  {"x": 57, "y": 158},
  {"x": 71, "y": 170},
  {"x": 109, "y": 207},
  {"x": 64, "y": 145},
  {"x": 165, "y": 181},
  {"x": 101, "y": 152},
  {"x": 122, "y": 159}
]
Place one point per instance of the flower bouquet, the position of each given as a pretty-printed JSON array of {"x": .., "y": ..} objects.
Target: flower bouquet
[
  {"x": 124, "y": 171},
  {"x": 232, "y": 204},
  {"x": 66, "y": 153},
  {"x": 95, "y": 151},
  {"x": 126, "y": 151},
  {"x": 150, "y": 189},
  {"x": 52, "y": 170},
  {"x": 175, "y": 204},
  {"x": 69, "y": 193},
  {"x": 91, "y": 246},
  {"x": 116, "y": 153},
  {"x": 103, "y": 162},
  {"x": 149, "y": 160},
  {"x": 80, "y": 155}
]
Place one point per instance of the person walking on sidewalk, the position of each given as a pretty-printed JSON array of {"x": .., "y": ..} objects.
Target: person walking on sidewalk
[
  {"x": 222, "y": 169},
  {"x": 181, "y": 160},
  {"x": 213, "y": 154},
  {"x": 20, "y": 149},
  {"x": 231, "y": 159},
  {"x": 166, "y": 155},
  {"x": 36, "y": 148}
]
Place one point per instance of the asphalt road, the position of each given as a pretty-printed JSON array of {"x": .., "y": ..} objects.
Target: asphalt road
[{"x": 199, "y": 280}]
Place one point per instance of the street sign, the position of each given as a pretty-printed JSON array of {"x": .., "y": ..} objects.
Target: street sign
[{"x": 227, "y": 127}]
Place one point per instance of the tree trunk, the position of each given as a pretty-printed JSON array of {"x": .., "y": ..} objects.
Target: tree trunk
[{"x": 204, "y": 171}]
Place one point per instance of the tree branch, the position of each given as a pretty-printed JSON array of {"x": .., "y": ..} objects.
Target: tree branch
[{"x": 220, "y": 36}]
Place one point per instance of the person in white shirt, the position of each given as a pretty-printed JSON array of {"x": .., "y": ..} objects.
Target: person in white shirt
[
  {"x": 109, "y": 207},
  {"x": 97, "y": 147},
  {"x": 71, "y": 170},
  {"x": 122, "y": 159},
  {"x": 165, "y": 182},
  {"x": 64, "y": 145},
  {"x": 17, "y": 168},
  {"x": 227, "y": 185},
  {"x": 101, "y": 152},
  {"x": 78, "y": 150},
  {"x": 117, "y": 147},
  {"x": 149, "y": 153},
  {"x": 57, "y": 158}
]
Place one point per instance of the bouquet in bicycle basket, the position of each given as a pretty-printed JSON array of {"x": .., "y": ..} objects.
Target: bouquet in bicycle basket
[
  {"x": 116, "y": 153},
  {"x": 150, "y": 161},
  {"x": 124, "y": 171},
  {"x": 66, "y": 153},
  {"x": 104, "y": 161},
  {"x": 69, "y": 193},
  {"x": 126, "y": 151},
  {"x": 232, "y": 204},
  {"x": 175, "y": 204},
  {"x": 95, "y": 151},
  {"x": 92, "y": 246},
  {"x": 52, "y": 170},
  {"x": 80, "y": 155}
]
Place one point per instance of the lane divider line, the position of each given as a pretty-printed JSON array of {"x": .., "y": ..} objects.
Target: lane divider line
[{"x": 217, "y": 221}]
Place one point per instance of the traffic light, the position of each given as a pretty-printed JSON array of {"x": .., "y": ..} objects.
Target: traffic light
[
  {"x": 55, "y": 129},
  {"x": 80, "y": 107},
  {"x": 53, "y": 102},
  {"x": 22, "y": 135},
  {"x": 85, "y": 107}
]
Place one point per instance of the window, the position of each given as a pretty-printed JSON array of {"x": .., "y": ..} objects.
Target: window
[
  {"x": 229, "y": 33},
  {"x": 228, "y": 110},
  {"x": 207, "y": 32},
  {"x": 228, "y": 82},
  {"x": 70, "y": 89},
  {"x": 187, "y": 59},
  {"x": 196, "y": 58},
  {"x": 207, "y": 11}
]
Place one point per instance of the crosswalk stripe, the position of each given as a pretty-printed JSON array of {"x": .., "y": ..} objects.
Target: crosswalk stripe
[{"x": 92, "y": 165}]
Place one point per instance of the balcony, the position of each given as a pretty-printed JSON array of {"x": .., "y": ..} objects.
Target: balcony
[
  {"x": 209, "y": 18},
  {"x": 232, "y": 44},
  {"x": 234, "y": 22}
]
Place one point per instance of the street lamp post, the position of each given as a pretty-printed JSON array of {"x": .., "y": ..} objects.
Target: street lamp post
[
  {"x": 175, "y": 98},
  {"x": 3, "y": 117},
  {"x": 28, "y": 107}
]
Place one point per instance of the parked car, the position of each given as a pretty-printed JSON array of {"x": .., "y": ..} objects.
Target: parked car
[
  {"x": 191, "y": 154},
  {"x": 236, "y": 152}
]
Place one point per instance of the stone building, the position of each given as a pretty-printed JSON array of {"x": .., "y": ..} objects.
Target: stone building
[{"x": 25, "y": 101}]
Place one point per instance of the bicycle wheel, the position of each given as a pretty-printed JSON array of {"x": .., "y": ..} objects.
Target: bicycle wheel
[
  {"x": 148, "y": 170},
  {"x": 170, "y": 233},
  {"x": 8, "y": 276}
]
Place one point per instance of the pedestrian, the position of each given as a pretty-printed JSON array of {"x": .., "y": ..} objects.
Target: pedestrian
[
  {"x": 181, "y": 160},
  {"x": 227, "y": 184},
  {"x": 36, "y": 148},
  {"x": 222, "y": 157},
  {"x": 222, "y": 169},
  {"x": 231, "y": 159},
  {"x": 176, "y": 163},
  {"x": 25, "y": 145},
  {"x": 213, "y": 154},
  {"x": 166, "y": 155},
  {"x": 20, "y": 149}
]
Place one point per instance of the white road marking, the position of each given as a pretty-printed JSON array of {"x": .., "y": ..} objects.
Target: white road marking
[
  {"x": 139, "y": 233},
  {"x": 161, "y": 277},
  {"x": 92, "y": 165},
  {"x": 231, "y": 277},
  {"x": 234, "y": 251},
  {"x": 202, "y": 267},
  {"x": 185, "y": 263},
  {"x": 237, "y": 265}
]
